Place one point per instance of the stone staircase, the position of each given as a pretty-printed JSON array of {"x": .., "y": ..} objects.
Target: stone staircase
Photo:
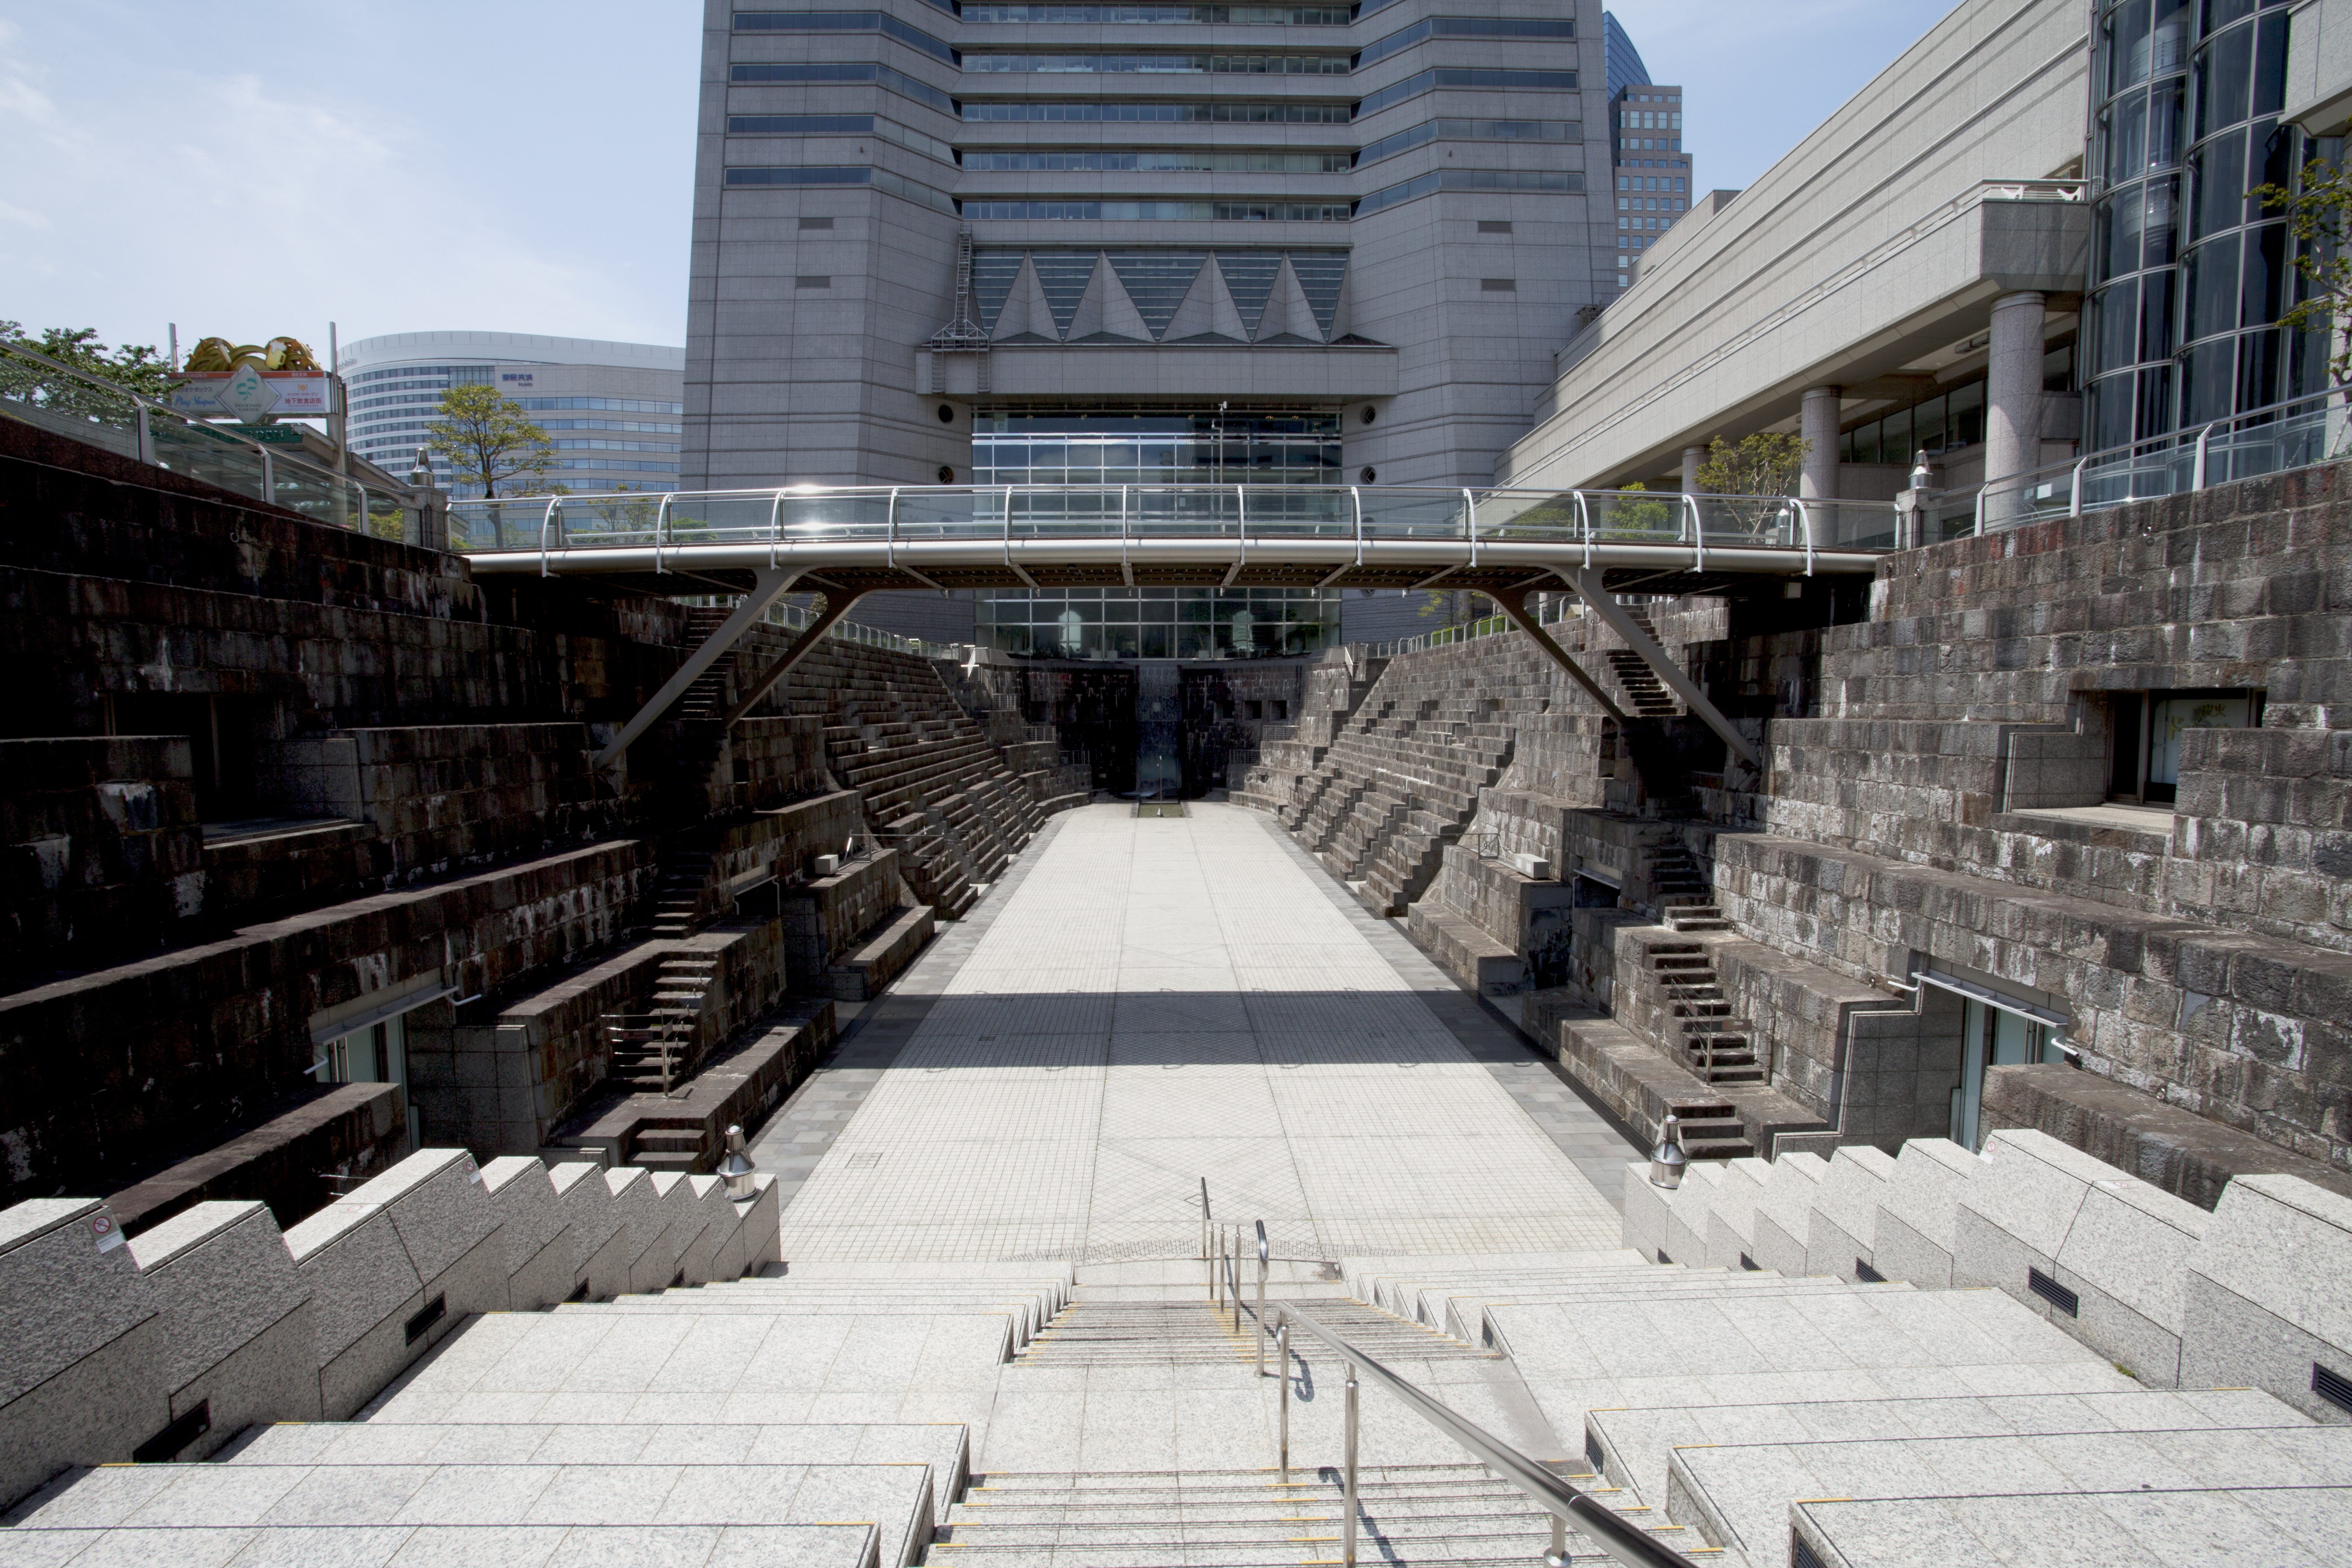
[
  {"x": 682, "y": 881},
  {"x": 1645, "y": 695},
  {"x": 1696, "y": 1017},
  {"x": 933, "y": 786},
  {"x": 1684, "y": 899},
  {"x": 635, "y": 1046}
]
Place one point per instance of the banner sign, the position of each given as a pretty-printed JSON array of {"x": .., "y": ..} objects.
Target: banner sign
[{"x": 253, "y": 396}]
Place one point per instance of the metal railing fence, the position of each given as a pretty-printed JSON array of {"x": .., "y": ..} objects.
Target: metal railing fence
[
  {"x": 2296, "y": 432},
  {"x": 51, "y": 396}
]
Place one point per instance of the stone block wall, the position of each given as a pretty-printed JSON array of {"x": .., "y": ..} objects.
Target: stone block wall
[
  {"x": 2262, "y": 833},
  {"x": 219, "y": 1318},
  {"x": 189, "y": 1040},
  {"x": 824, "y": 917},
  {"x": 103, "y": 851}
]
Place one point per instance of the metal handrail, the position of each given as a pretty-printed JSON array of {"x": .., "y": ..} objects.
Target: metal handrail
[{"x": 1566, "y": 1505}]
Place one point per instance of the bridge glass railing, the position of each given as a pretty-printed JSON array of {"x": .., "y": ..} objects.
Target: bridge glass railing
[
  {"x": 959, "y": 513},
  {"x": 2294, "y": 434}
]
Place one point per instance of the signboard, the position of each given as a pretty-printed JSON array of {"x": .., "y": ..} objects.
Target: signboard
[
  {"x": 252, "y": 395},
  {"x": 271, "y": 434}
]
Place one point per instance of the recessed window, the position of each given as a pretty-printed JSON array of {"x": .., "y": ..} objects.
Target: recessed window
[{"x": 2144, "y": 736}]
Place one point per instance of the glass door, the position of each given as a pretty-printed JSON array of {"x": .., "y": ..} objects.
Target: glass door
[{"x": 1990, "y": 1038}]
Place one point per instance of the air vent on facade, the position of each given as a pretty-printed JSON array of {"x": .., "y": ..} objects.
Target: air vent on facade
[
  {"x": 2050, "y": 1290},
  {"x": 1492, "y": 225},
  {"x": 1592, "y": 1452},
  {"x": 163, "y": 1445},
  {"x": 1800, "y": 1554},
  {"x": 432, "y": 1312},
  {"x": 812, "y": 281},
  {"x": 809, "y": 222},
  {"x": 2332, "y": 1386},
  {"x": 1866, "y": 1274},
  {"x": 1499, "y": 284}
]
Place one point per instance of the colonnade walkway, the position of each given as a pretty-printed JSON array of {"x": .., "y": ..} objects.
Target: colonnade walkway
[{"x": 1153, "y": 1000}]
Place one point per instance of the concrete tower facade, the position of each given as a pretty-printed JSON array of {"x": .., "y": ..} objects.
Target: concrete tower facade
[{"x": 916, "y": 218}]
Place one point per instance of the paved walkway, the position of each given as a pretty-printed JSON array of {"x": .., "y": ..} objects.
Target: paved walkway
[{"x": 1147, "y": 1002}]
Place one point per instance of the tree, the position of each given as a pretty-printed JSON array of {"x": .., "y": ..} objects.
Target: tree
[
  {"x": 1765, "y": 464},
  {"x": 134, "y": 367},
  {"x": 1622, "y": 515},
  {"x": 2320, "y": 216},
  {"x": 489, "y": 439}
]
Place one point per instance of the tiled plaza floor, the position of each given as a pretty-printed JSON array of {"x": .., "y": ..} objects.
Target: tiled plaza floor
[{"x": 1145, "y": 1003}]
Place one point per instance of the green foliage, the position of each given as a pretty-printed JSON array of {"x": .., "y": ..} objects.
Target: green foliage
[
  {"x": 1640, "y": 516},
  {"x": 2320, "y": 216},
  {"x": 488, "y": 440},
  {"x": 1765, "y": 464},
  {"x": 134, "y": 367}
]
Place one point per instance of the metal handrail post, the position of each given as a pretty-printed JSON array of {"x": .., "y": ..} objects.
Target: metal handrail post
[
  {"x": 146, "y": 434},
  {"x": 1348, "y": 1554},
  {"x": 2197, "y": 473},
  {"x": 1204, "y": 1219},
  {"x": 1281, "y": 1370},
  {"x": 1978, "y": 528},
  {"x": 1259, "y": 1337},
  {"x": 1234, "y": 1272}
]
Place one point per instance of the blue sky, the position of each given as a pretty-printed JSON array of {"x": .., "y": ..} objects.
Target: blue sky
[{"x": 269, "y": 167}]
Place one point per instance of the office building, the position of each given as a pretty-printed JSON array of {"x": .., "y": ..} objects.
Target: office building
[
  {"x": 611, "y": 411},
  {"x": 1649, "y": 168}
]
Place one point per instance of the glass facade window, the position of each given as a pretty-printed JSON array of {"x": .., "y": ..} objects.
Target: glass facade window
[
  {"x": 1159, "y": 64},
  {"x": 1156, "y": 447},
  {"x": 1431, "y": 80},
  {"x": 2188, "y": 274},
  {"x": 1162, "y": 114}
]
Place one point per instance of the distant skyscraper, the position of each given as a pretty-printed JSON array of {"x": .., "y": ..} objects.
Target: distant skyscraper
[
  {"x": 1625, "y": 66},
  {"x": 1647, "y": 162}
]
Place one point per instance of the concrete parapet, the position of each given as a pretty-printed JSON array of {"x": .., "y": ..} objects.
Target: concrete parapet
[
  {"x": 1913, "y": 1237},
  {"x": 1784, "y": 1224},
  {"x": 1843, "y": 1233},
  {"x": 2084, "y": 1245},
  {"x": 2268, "y": 1297},
  {"x": 214, "y": 1319}
]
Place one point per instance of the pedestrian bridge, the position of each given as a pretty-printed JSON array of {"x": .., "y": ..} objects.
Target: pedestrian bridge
[
  {"x": 861, "y": 539},
  {"x": 848, "y": 542}
]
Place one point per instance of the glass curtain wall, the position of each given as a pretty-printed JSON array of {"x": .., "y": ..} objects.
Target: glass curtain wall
[
  {"x": 1109, "y": 447},
  {"x": 2189, "y": 274}
]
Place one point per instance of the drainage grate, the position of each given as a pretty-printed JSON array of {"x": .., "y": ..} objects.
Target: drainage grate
[
  {"x": 1800, "y": 1555},
  {"x": 2050, "y": 1290},
  {"x": 1159, "y": 808},
  {"x": 1866, "y": 1274},
  {"x": 2331, "y": 1385},
  {"x": 434, "y": 1311},
  {"x": 163, "y": 1445}
]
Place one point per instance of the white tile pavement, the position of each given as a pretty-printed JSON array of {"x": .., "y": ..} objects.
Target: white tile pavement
[{"x": 1160, "y": 1000}]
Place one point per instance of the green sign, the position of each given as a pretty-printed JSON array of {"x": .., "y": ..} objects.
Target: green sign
[{"x": 271, "y": 434}]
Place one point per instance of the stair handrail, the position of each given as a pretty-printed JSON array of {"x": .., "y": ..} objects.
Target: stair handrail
[{"x": 1620, "y": 1540}]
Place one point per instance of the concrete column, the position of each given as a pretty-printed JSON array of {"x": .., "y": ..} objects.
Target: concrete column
[
  {"x": 1692, "y": 457},
  {"x": 1818, "y": 423},
  {"x": 2013, "y": 387}
]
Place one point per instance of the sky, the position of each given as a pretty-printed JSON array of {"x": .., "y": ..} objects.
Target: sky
[{"x": 270, "y": 167}]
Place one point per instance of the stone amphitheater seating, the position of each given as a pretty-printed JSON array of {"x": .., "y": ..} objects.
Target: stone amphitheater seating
[
  {"x": 1402, "y": 777},
  {"x": 934, "y": 788}
]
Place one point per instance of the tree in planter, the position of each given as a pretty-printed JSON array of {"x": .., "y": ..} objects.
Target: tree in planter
[
  {"x": 490, "y": 440},
  {"x": 1765, "y": 466}
]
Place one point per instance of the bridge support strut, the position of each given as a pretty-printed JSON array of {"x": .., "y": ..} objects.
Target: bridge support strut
[
  {"x": 1515, "y": 605},
  {"x": 836, "y": 604},
  {"x": 1587, "y": 583},
  {"x": 769, "y": 585}
]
